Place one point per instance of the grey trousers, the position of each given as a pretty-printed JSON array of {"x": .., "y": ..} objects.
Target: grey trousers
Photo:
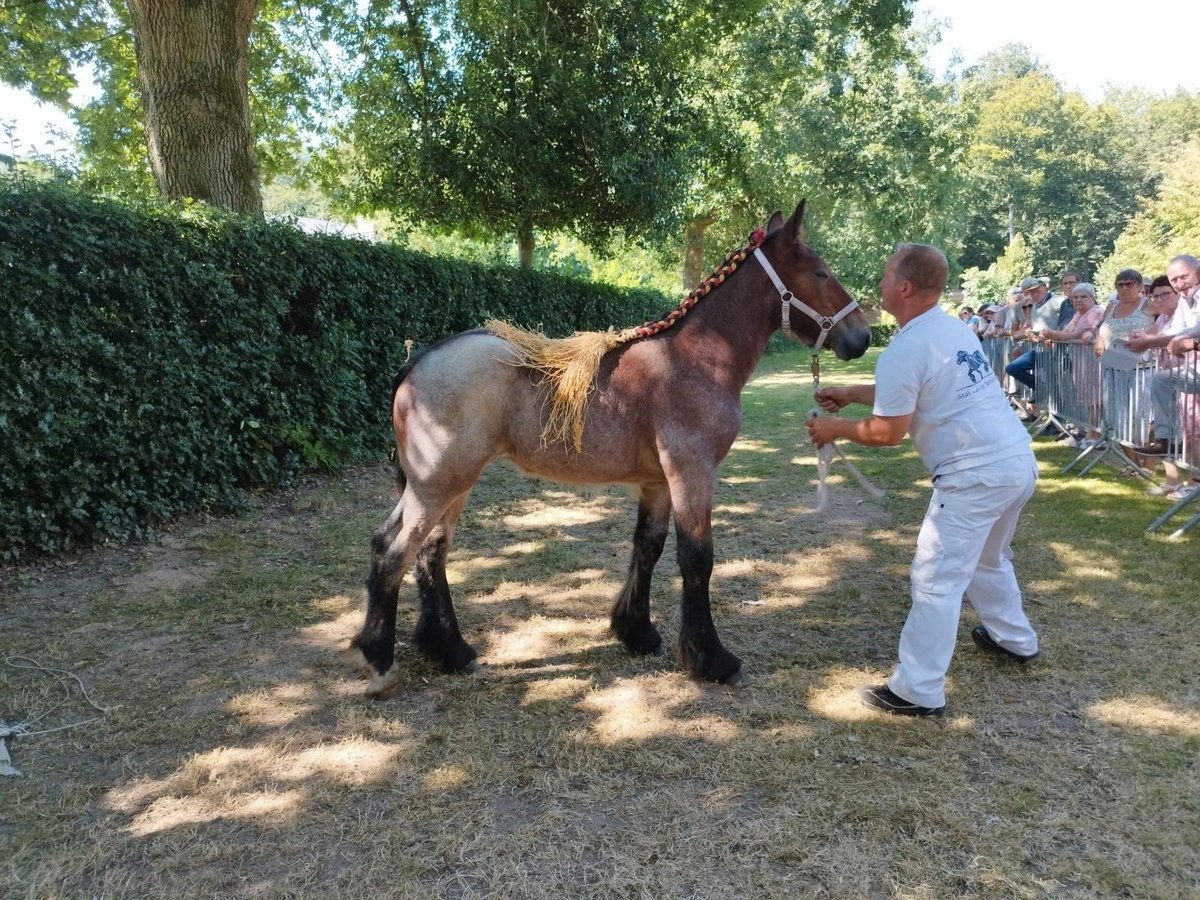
[{"x": 1165, "y": 388}]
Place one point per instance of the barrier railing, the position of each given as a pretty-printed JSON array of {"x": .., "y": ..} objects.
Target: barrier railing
[{"x": 1110, "y": 400}]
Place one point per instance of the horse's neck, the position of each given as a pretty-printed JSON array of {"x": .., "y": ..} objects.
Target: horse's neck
[{"x": 726, "y": 333}]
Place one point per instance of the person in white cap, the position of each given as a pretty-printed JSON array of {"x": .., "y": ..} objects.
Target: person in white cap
[{"x": 933, "y": 382}]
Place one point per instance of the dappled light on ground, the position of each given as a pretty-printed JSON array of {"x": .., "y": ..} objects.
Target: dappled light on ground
[
  {"x": 750, "y": 445},
  {"x": 539, "y": 637},
  {"x": 446, "y": 778},
  {"x": 335, "y": 632},
  {"x": 228, "y": 783},
  {"x": 741, "y": 479},
  {"x": 636, "y": 710},
  {"x": 267, "y": 807},
  {"x": 275, "y": 707},
  {"x": 1147, "y": 714},
  {"x": 553, "y": 690}
]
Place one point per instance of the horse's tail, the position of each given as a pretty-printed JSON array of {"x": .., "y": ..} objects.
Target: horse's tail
[{"x": 397, "y": 380}]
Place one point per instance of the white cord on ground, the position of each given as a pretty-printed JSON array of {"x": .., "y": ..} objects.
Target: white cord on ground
[
  {"x": 23, "y": 729},
  {"x": 825, "y": 459}
]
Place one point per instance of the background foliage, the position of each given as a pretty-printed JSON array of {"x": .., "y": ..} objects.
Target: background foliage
[{"x": 161, "y": 358}]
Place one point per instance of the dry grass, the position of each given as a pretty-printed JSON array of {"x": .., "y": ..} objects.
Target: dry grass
[{"x": 240, "y": 758}]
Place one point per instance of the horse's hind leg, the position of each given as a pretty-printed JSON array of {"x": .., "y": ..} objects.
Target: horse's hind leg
[
  {"x": 393, "y": 548},
  {"x": 437, "y": 635},
  {"x": 631, "y": 613}
]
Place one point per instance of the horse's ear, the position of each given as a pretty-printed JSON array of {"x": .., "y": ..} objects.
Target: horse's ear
[
  {"x": 775, "y": 222},
  {"x": 796, "y": 223}
]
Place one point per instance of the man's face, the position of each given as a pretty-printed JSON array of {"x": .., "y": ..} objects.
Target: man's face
[
  {"x": 1067, "y": 284},
  {"x": 889, "y": 286},
  {"x": 1037, "y": 293},
  {"x": 1182, "y": 277}
]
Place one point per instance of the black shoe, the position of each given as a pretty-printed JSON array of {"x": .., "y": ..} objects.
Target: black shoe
[
  {"x": 1049, "y": 430},
  {"x": 1158, "y": 447},
  {"x": 880, "y": 696},
  {"x": 984, "y": 641},
  {"x": 1028, "y": 419}
]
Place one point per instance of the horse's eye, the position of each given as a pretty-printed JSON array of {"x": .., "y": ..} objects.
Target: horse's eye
[{"x": 820, "y": 273}]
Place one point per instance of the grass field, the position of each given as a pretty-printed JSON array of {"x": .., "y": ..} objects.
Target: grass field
[{"x": 233, "y": 754}]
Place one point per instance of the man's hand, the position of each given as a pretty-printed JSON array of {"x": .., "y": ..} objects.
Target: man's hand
[
  {"x": 1181, "y": 344},
  {"x": 1138, "y": 341},
  {"x": 832, "y": 399},
  {"x": 822, "y": 430}
]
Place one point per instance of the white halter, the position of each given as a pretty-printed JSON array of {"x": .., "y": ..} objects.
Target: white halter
[{"x": 826, "y": 323}]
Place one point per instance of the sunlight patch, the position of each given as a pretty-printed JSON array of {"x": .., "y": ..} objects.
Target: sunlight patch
[
  {"x": 538, "y": 638},
  {"x": 753, "y": 446},
  {"x": 634, "y": 711},
  {"x": 335, "y": 632},
  {"x": 446, "y": 778},
  {"x": 559, "y": 516},
  {"x": 276, "y": 707},
  {"x": 554, "y": 689},
  {"x": 1146, "y": 714},
  {"x": 524, "y": 548},
  {"x": 168, "y": 813}
]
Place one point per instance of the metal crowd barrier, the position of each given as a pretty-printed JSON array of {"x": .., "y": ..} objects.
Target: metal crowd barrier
[{"x": 1108, "y": 398}]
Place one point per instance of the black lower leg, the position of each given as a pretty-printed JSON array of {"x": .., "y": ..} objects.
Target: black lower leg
[
  {"x": 437, "y": 635},
  {"x": 700, "y": 650},
  {"x": 376, "y": 640},
  {"x": 631, "y": 612}
]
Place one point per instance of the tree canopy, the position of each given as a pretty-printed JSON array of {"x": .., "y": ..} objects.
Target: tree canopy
[{"x": 678, "y": 124}]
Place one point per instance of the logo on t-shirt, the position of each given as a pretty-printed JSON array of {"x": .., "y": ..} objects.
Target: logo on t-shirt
[{"x": 976, "y": 363}]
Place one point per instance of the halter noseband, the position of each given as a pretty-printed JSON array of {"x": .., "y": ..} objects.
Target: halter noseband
[{"x": 826, "y": 323}]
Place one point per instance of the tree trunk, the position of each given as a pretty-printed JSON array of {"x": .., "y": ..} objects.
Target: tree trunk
[
  {"x": 693, "y": 250},
  {"x": 193, "y": 72},
  {"x": 1012, "y": 222},
  {"x": 525, "y": 245}
]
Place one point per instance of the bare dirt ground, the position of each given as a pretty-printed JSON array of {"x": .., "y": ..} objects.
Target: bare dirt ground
[{"x": 232, "y": 751}]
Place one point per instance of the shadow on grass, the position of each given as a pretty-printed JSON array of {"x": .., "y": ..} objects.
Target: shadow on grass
[{"x": 243, "y": 759}]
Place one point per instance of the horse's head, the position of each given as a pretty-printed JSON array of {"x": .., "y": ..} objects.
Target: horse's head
[{"x": 815, "y": 307}]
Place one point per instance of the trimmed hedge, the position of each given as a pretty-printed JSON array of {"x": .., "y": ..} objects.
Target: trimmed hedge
[{"x": 165, "y": 358}]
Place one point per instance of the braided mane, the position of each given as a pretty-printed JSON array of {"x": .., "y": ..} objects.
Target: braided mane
[{"x": 571, "y": 363}]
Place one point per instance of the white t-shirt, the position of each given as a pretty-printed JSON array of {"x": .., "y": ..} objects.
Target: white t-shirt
[
  {"x": 1187, "y": 315},
  {"x": 935, "y": 369}
]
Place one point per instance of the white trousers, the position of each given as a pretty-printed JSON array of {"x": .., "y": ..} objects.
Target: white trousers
[{"x": 964, "y": 548}]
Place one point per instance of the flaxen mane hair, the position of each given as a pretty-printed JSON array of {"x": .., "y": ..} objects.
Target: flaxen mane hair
[{"x": 571, "y": 363}]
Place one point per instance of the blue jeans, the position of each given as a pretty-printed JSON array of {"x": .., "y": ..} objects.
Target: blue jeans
[{"x": 1021, "y": 368}]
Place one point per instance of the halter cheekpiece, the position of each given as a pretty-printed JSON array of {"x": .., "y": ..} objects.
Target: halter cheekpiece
[{"x": 825, "y": 323}]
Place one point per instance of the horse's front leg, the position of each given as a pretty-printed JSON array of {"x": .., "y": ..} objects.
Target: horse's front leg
[
  {"x": 631, "y": 613},
  {"x": 700, "y": 649}
]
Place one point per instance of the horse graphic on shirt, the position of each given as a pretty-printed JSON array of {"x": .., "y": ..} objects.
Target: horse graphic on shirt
[{"x": 977, "y": 364}]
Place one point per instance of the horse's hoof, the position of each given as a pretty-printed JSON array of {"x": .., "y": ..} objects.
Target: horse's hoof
[{"x": 383, "y": 683}]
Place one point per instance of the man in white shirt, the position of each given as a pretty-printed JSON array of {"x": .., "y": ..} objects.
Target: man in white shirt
[
  {"x": 933, "y": 382},
  {"x": 1181, "y": 336}
]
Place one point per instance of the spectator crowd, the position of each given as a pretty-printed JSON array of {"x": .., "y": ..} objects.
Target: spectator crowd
[{"x": 1135, "y": 351}]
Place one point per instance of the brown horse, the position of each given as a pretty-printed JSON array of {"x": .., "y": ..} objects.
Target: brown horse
[{"x": 661, "y": 413}]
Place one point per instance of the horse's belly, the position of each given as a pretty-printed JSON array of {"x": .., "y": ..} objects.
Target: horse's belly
[{"x": 558, "y": 463}]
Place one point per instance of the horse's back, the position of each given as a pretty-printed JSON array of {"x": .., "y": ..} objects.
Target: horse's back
[{"x": 468, "y": 400}]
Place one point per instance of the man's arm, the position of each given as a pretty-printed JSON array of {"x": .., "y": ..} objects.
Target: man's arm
[
  {"x": 834, "y": 398},
  {"x": 873, "y": 431}
]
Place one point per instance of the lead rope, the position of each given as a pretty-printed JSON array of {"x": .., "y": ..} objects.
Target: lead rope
[{"x": 825, "y": 454}]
